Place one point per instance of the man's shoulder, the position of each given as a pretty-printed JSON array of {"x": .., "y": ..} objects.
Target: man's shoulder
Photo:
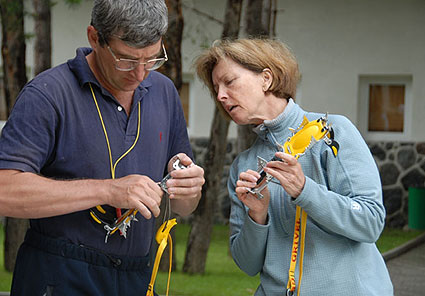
[
  {"x": 53, "y": 77},
  {"x": 55, "y": 85}
]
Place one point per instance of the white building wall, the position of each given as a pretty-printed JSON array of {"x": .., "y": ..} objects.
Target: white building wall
[
  {"x": 69, "y": 26},
  {"x": 335, "y": 42}
]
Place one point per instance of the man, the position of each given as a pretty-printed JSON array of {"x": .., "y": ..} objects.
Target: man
[{"x": 91, "y": 137}]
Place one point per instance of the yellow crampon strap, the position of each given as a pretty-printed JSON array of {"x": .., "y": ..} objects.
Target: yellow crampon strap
[
  {"x": 306, "y": 135},
  {"x": 297, "y": 244},
  {"x": 162, "y": 236}
]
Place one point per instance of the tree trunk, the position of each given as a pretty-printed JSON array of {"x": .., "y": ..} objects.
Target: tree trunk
[
  {"x": 13, "y": 49},
  {"x": 232, "y": 20},
  {"x": 172, "y": 69},
  {"x": 260, "y": 21},
  {"x": 200, "y": 232},
  {"x": 203, "y": 220},
  {"x": 173, "y": 41},
  {"x": 43, "y": 36},
  {"x": 246, "y": 137},
  {"x": 14, "y": 236},
  {"x": 13, "y": 54}
]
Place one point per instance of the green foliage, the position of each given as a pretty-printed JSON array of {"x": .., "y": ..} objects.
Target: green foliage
[
  {"x": 12, "y": 7},
  {"x": 29, "y": 36},
  {"x": 70, "y": 3},
  {"x": 73, "y": 3},
  {"x": 13, "y": 13}
]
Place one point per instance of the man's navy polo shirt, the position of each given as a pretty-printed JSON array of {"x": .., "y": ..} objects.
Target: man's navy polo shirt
[{"x": 54, "y": 130}]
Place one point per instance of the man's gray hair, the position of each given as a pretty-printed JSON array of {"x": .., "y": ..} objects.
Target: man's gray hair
[{"x": 139, "y": 23}]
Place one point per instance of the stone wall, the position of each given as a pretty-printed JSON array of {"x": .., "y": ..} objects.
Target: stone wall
[
  {"x": 401, "y": 165},
  {"x": 199, "y": 147}
]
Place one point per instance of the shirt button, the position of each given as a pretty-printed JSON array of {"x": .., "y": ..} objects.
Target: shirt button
[{"x": 119, "y": 108}]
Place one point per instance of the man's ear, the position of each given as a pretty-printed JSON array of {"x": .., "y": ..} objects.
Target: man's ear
[
  {"x": 267, "y": 79},
  {"x": 92, "y": 37}
]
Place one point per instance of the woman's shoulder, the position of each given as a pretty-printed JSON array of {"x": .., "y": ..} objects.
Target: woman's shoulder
[{"x": 334, "y": 120}]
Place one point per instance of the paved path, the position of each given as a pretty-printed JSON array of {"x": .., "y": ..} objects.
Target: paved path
[{"x": 407, "y": 268}]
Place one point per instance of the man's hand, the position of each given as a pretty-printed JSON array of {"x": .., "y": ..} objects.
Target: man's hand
[
  {"x": 185, "y": 186},
  {"x": 136, "y": 191}
]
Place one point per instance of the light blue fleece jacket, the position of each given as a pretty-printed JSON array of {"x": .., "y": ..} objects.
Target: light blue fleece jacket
[{"x": 343, "y": 199}]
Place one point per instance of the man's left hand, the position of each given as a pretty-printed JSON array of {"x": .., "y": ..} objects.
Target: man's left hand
[{"x": 185, "y": 186}]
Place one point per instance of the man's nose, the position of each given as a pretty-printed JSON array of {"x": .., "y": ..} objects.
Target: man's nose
[{"x": 140, "y": 72}]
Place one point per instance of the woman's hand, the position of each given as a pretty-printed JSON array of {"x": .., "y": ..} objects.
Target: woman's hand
[
  {"x": 288, "y": 172},
  {"x": 257, "y": 207}
]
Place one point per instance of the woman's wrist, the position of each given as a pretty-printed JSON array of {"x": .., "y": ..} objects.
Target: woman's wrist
[{"x": 259, "y": 218}]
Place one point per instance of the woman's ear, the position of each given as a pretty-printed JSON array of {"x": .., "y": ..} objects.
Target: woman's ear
[{"x": 267, "y": 79}]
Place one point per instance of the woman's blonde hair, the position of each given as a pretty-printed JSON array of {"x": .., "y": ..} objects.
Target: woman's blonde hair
[{"x": 255, "y": 55}]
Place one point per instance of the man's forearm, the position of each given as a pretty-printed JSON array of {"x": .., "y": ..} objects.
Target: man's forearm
[{"x": 28, "y": 195}]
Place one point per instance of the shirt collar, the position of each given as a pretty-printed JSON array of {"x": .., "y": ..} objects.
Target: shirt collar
[
  {"x": 280, "y": 126},
  {"x": 275, "y": 122},
  {"x": 80, "y": 67}
]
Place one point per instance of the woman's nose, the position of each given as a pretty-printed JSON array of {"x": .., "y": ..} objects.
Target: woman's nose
[{"x": 221, "y": 95}]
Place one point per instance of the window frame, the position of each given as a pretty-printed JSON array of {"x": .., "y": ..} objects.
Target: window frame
[{"x": 363, "y": 111}]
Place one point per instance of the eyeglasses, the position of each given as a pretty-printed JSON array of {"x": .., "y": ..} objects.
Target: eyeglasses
[{"x": 128, "y": 64}]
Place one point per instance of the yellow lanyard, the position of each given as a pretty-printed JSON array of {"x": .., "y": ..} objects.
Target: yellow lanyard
[
  {"x": 298, "y": 243},
  {"x": 308, "y": 133},
  {"x": 112, "y": 164},
  {"x": 163, "y": 233}
]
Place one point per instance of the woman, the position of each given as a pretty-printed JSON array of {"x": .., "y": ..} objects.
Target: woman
[{"x": 254, "y": 82}]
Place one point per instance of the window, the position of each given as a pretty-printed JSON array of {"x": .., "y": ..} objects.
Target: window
[{"x": 384, "y": 107}]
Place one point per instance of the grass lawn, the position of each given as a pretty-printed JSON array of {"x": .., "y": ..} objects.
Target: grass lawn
[
  {"x": 222, "y": 276},
  {"x": 5, "y": 277}
]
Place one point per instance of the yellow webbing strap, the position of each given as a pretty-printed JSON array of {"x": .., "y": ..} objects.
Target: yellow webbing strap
[
  {"x": 162, "y": 236},
  {"x": 297, "y": 244},
  {"x": 304, "y": 137}
]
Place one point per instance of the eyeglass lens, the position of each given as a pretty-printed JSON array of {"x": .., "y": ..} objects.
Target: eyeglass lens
[{"x": 128, "y": 65}]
